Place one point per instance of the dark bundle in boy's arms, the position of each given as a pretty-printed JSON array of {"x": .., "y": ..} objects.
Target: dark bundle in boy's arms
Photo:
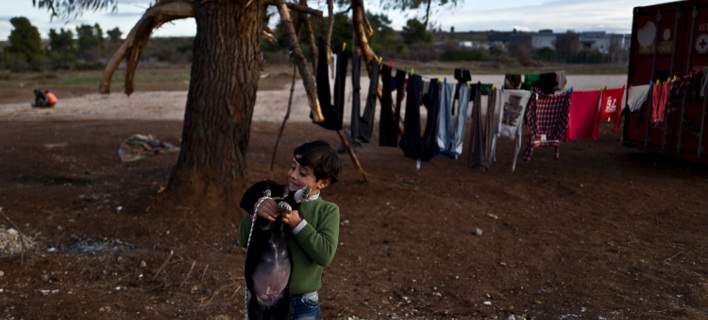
[{"x": 268, "y": 262}]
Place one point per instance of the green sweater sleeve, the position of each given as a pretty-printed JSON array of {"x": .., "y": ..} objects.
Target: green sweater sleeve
[
  {"x": 243, "y": 229},
  {"x": 319, "y": 239}
]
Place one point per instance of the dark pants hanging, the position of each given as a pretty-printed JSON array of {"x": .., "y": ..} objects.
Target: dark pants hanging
[
  {"x": 476, "y": 141},
  {"x": 356, "y": 96},
  {"x": 362, "y": 126},
  {"x": 388, "y": 128},
  {"x": 414, "y": 145},
  {"x": 333, "y": 113}
]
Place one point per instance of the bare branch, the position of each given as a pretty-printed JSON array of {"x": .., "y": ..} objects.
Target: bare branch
[
  {"x": 311, "y": 37},
  {"x": 330, "y": 29},
  {"x": 135, "y": 41},
  {"x": 299, "y": 59},
  {"x": 297, "y": 7},
  {"x": 359, "y": 18}
]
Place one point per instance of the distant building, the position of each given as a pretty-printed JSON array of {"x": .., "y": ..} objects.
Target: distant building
[
  {"x": 543, "y": 39},
  {"x": 599, "y": 41}
]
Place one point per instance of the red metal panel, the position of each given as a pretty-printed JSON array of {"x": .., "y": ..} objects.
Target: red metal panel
[{"x": 663, "y": 45}]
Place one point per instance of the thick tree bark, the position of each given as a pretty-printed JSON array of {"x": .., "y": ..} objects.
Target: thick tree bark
[{"x": 222, "y": 93}]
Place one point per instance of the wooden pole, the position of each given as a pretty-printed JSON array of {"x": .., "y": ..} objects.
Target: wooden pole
[{"x": 355, "y": 159}]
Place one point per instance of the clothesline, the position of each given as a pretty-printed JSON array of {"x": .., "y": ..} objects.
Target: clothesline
[{"x": 552, "y": 112}]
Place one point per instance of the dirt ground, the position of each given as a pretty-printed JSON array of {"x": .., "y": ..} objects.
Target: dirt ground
[{"x": 605, "y": 232}]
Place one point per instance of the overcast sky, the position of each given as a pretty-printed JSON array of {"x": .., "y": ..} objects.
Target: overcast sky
[{"x": 559, "y": 15}]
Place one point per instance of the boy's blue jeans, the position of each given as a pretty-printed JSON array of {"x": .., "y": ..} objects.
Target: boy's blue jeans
[{"x": 305, "y": 306}]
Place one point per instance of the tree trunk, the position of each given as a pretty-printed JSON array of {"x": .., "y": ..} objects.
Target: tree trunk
[{"x": 222, "y": 93}]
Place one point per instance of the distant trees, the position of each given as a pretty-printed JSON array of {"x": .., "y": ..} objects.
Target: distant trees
[
  {"x": 415, "y": 32},
  {"x": 62, "y": 49},
  {"x": 24, "y": 50},
  {"x": 114, "y": 35}
]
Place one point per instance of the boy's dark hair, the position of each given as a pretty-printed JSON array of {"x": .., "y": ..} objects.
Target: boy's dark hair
[{"x": 321, "y": 158}]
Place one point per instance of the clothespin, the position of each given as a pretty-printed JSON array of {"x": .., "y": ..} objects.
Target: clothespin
[
  {"x": 344, "y": 46},
  {"x": 412, "y": 70},
  {"x": 380, "y": 59},
  {"x": 418, "y": 164}
]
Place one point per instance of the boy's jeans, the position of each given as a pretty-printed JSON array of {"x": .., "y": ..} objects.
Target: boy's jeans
[{"x": 305, "y": 306}]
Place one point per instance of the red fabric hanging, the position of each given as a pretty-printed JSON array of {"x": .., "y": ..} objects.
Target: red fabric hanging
[
  {"x": 610, "y": 109},
  {"x": 583, "y": 114}
]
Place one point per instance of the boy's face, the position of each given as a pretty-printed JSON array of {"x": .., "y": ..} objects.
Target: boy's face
[{"x": 301, "y": 176}]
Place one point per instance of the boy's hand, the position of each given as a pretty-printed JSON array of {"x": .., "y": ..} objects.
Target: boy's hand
[
  {"x": 268, "y": 210},
  {"x": 292, "y": 218}
]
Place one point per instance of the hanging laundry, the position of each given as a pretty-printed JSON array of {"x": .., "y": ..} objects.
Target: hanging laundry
[
  {"x": 356, "y": 96},
  {"x": 512, "y": 107},
  {"x": 462, "y": 76},
  {"x": 636, "y": 96},
  {"x": 610, "y": 109},
  {"x": 547, "y": 82},
  {"x": 547, "y": 119},
  {"x": 583, "y": 114},
  {"x": 333, "y": 113},
  {"x": 415, "y": 146},
  {"x": 659, "y": 97},
  {"x": 364, "y": 127},
  {"x": 475, "y": 144},
  {"x": 388, "y": 123},
  {"x": 512, "y": 81},
  {"x": 490, "y": 127},
  {"x": 451, "y": 125},
  {"x": 561, "y": 79},
  {"x": 530, "y": 81}
]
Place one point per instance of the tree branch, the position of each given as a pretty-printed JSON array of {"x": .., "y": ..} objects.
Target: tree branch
[
  {"x": 330, "y": 29},
  {"x": 299, "y": 59},
  {"x": 135, "y": 41},
  {"x": 311, "y": 37},
  {"x": 297, "y": 7}
]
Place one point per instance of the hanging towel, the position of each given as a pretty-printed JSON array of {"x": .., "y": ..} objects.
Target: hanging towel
[
  {"x": 610, "y": 109},
  {"x": 388, "y": 127},
  {"x": 547, "y": 119},
  {"x": 583, "y": 114},
  {"x": 512, "y": 105},
  {"x": 659, "y": 97},
  {"x": 414, "y": 145},
  {"x": 512, "y": 81},
  {"x": 333, "y": 113},
  {"x": 362, "y": 126},
  {"x": 636, "y": 96}
]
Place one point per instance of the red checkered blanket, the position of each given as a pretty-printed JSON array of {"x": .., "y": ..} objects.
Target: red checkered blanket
[{"x": 547, "y": 121}]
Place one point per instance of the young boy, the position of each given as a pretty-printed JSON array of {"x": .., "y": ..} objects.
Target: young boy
[{"x": 315, "y": 226}]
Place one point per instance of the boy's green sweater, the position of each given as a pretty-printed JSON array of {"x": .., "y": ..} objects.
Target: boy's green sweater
[{"x": 312, "y": 248}]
